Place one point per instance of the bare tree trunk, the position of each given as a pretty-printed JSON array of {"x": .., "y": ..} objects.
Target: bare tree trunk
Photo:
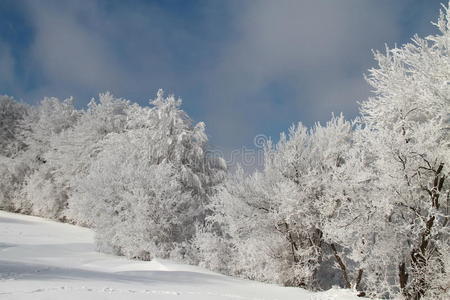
[
  {"x": 294, "y": 247},
  {"x": 419, "y": 254},
  {"x": 358, "y": 279},
  {"x": 342, "y": 266},
  {"x": 403, "y": 279}
]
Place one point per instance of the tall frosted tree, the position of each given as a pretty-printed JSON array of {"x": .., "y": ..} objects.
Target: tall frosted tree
[
  {"x": 405, "y": 149},
  {"x": 166, "y": 177}
]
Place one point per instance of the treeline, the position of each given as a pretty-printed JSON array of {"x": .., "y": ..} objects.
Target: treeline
[
  {"x": 141, "y": 176},
  {"x": 363, "y": 204}
]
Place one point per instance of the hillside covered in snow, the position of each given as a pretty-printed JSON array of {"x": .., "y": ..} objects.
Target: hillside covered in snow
[{"x": 41, "y": 259}]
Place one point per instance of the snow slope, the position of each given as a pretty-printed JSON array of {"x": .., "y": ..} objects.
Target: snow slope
[{"x": 42, "y": 259}]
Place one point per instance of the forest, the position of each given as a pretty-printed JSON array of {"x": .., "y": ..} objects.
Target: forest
[{"x": 362, "y": 203}]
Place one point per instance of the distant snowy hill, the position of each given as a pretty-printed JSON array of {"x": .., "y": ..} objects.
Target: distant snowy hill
[{"x": 42, "y": 259}]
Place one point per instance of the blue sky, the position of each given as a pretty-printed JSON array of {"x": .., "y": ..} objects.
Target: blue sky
[{"x": 244, "y": 67}]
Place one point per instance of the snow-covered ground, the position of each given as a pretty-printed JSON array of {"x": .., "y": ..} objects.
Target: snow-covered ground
[{"x": 42, "y": 259}]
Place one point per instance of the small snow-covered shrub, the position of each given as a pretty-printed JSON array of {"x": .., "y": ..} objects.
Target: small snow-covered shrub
[
  {"x": 46, "y": 197},
  {"x": 212, "y": 250}
]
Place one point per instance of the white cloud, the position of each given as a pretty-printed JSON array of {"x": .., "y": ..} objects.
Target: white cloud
[
  {"x": 81, "y": 49},
  {"x": 314, "y": 46},
  {"x": 311, "y": 52}
]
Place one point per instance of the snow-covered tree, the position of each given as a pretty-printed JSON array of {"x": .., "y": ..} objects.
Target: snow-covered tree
[
  {"x": 50, "y": 118},
  {"x": 274, "y": 218},
  {"x": 311, "y": 160},
  {"x": 12, "y": 114},
  {"x": 68, "y": 139},
  {"x": 149, "y": 185},
  {"x": 12, "y": 144},
  {"x": 399, "y": 186},
  {"x": 34, "y": 131}
]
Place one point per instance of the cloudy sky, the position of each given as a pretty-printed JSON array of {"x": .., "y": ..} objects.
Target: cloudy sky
[{"x": 244, "y": 67}]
